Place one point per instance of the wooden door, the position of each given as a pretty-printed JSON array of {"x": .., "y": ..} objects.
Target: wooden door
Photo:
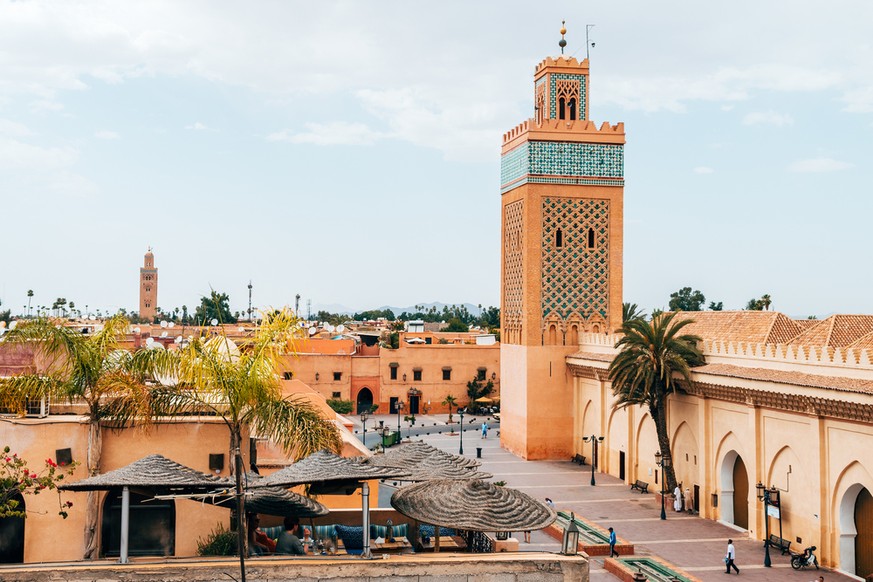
[
  {"x": 741, "y": 494},
  {"x": 864, "y": 539}
]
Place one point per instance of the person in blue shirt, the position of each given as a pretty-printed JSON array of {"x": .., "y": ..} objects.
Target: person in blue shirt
[{"x": 612, "y": 542}]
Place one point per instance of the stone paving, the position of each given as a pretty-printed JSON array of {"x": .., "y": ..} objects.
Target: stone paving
[{"x": 693, "y": 544}]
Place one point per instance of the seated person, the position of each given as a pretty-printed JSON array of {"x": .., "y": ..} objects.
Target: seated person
[
  {"x": 289, "y": 540},
  {"x": 259, "y": 543}
]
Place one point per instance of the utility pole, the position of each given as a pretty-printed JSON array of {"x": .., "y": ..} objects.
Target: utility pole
[{"x": 250, "y": 300}]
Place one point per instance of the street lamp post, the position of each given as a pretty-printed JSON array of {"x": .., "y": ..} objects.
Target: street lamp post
[
  {"x": 594, "y": 440},
  {"x": 461, "y": 448},
  {"x": 764, "y": 495},
  {"x": 400, "y": 406},
  {"x": 364, "y": 416},
  {"x": 662, "y": 461}
]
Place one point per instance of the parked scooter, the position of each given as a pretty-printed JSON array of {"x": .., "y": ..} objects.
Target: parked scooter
[{"x": 805, "y": 560}]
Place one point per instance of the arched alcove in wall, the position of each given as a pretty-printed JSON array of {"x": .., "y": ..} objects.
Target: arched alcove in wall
[
  {"x": 733, "y": 483},
  {"x": 854, "y": 517},
  {"x": 616, "y": 439},
  {"x": 646, "y": 446},
  {"x": 364, "y": 400},
  {"x": 685, "y": 455}
]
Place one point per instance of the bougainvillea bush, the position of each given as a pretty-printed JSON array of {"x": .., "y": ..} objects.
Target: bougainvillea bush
[{"x": 18, "y": 478}]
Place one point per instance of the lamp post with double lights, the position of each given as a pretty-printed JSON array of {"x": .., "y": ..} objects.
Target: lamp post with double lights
[
  {"x": 594, "y": 440},
  {"x": 400, "y": 406},
  {"x": 364, "y": 416},
  {"x": 769, "y": 497},
  {"x": 461, "y": 448},
  {"x": 662, "y": 461}
]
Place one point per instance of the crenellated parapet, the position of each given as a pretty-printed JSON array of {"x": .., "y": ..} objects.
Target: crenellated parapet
[
  {"x": 561, "y": 62},
  {"x": 563, "y": 130},
  {"x": 811, "y": 355}
]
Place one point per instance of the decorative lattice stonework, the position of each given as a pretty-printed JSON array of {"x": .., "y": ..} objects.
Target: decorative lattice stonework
[
  {"x": 557, "y": 79},
  {"x": 513, "y": 271},
  {"x": 562, "y": 163},
  {"x": 575, "y": 274}
]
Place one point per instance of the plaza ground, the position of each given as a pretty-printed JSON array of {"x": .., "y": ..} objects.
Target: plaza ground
[{"x": 695, "y": 545}]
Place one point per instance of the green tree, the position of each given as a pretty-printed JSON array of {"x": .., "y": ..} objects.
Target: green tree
[
  {"x": 686, "y": 300},
  {"x": 89, "y": 368},
  {"x": 456, "y": 325},
  {"x": 489, "y": 317},
  {"x": 451, "y": 403},
  {"x": 216, "y": 306},
  {"x": 755, "y": 305},
  {"x": 766, "y": 301},
  {"x": 631, "y": 311},
  {"x": 476, "y": 390},
  {"x": 243, "y": 389},
  {"x": 652, "y": 357},
  {"x": 713, "y": 306},
  {"x": 5, "y": 315},
  {"x": 29, "y": 299}
]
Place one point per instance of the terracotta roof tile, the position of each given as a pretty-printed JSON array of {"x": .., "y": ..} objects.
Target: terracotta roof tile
[
  {"x": 837, "y": 331},
  {"x": 840, "y": 383},
  {"x": 762, "y": 327}
]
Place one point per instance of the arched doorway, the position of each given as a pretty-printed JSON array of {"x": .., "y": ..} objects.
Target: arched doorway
[
  {"x": 734, "y": 495},
  {"x": 12, "y": 536},
  {"x": 152, "y": 526},
  {"x": 856, "y": 531},
  {"x": 365, "y": 400}
]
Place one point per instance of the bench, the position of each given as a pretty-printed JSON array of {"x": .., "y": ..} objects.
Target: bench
[
  {"x": 640, "y": 486},
  {"x": 780, "y": 543},
  {"x": 580, "y": 459}
]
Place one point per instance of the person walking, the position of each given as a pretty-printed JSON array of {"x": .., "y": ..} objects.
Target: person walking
[
  {"x": 485, "y": 430},
  {"x": 730, "y": 557},
  {"x": 677, "y": 498},
  {"x": 612, "y": 542}
]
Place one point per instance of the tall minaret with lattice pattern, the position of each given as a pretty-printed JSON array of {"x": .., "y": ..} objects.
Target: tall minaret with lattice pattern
[
  {"x": 562, "y": 191},
  {"x": 148, "y": 287}
]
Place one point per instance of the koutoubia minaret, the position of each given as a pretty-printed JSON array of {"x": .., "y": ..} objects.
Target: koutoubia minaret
[
  {"x": 562, "y": 190},
  {"x": 148, "y": 287}
]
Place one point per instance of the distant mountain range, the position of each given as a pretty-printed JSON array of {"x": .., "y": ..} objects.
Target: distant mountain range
[{"x": 336, "y": 308}]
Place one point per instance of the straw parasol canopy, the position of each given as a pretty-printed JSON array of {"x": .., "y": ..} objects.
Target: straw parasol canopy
[
  {"x": 472, "y": 505},
  {"x": 425, "y": 463},
  {"x": 325, "y": 467},
  {"x": 484, "y": 400},
  {"x": 272, "y": 501},
  {"x": 156, "y": 473}
]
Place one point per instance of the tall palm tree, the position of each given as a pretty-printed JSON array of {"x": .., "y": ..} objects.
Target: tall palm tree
[
  {"x": 241, "y": 386},
  {"x": 450, "y": 402},
  {"x": 631, "y": 311},
  {"x": 766, "y": 301},
  {"x": 92, "y": 369},
  {"x": 652, "y": 354}
]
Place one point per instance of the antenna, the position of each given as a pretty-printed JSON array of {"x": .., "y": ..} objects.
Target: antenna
[
  {"x": 309, "y": 309},
  {"x": 297, "y": 304},
  {"x": 250, "y": 300},
  {"x": 588, "y": 28}
]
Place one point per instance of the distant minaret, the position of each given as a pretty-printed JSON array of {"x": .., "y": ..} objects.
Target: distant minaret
[{"x": 148, "y": 287}]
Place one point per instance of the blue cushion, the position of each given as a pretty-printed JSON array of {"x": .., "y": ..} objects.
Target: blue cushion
[
  {"x": 273, "y": 532},
  {"x": 352, "y": 537},
  {"x": 430, "y": 531},
  {"x": 324, "y": 532},
  {"x": 378, "y": 531}
]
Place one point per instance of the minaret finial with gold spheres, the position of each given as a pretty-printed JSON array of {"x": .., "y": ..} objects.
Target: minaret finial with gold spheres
[{"x": 562, "y": 43}]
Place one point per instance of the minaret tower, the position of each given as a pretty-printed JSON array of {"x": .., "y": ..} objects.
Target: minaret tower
[
  {"x": 148, "y": 287},
  {"x": 562, "y": 190}
]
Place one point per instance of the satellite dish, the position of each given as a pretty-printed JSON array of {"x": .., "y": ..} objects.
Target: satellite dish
[
  {"x": 312, "y": 331},
  {"x": 163, "y": 323},
  {"x": 137, "y": 330},
  {"x": 91, "y": 317},
  {"x": 340, "y": 328},
  {"x": 171, "y": 324},
  {"x": 330, "y": 328},
  {"x": 150, "y": 341},
  {"x": 301, "y": 323},
  {"x": 214, "y": 321},
  {"x": 178, "y": 339},
  {"x": 164, "y": 334},
  {"x": 13, "y": 324},
  {"x": 190, "y": 338},
  {"x": 241, "y": 329}
]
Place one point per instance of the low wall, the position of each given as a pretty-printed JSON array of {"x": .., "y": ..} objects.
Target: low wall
[{"x": 520, "y": 567}]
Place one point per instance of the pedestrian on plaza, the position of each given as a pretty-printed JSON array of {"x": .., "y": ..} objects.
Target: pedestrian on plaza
[
  {"x": 485, "y": 429},
  {"x": 677, "y": 498},
  {"x": 689, "y": 501},
  {"x": 730, "y": 557},
  {"x": 821, "y": 579},
  {"x": 612, "y": 542}
]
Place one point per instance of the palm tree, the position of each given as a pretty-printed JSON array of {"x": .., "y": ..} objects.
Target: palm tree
[
  {"x": 631, "y": 311},
  {"x": 242, "y": 388},
  {"x": 644, "y": 371},
  {"x": 766, "y": 301},
  {"x": 87, "y": 368},
  {"x": 29, "y": 298},
  {"x": 450, "y": 402}
]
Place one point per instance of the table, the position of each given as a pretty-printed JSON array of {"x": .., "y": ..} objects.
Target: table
[
  {"x": 398, "y": 545},
  {"x": 447, "y": 543}
]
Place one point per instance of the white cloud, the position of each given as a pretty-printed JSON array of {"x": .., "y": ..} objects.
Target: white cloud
[
  {"x": 197, "y": 126},
  {"x": 768, "y": 118},
  {"x": 335, "y": 133},
  {"x": 14, "y": 129},
  {"x": 859, "y": 100},
  {"x": 20, "y": 155},
  {"x": 815, "y": 165},
  {"x": 106, "y": 134},
  {"x": 703, "y": 170}
]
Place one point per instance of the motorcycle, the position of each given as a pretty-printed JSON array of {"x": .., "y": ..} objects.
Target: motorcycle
[{"x": 804, "y": 560}]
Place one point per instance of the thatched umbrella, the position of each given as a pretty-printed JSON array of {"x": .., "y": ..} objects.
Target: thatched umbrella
[
  {"x": 473, "y": 505},
  {"x": 272, "y": 501},
  {"x": 327, "y": 472},
  {"x": 425, "y": 463},
  {"x": 155, "y": 473}
]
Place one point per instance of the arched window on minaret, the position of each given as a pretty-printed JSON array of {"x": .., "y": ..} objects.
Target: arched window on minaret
[
  {"x": 572, "y": 105},
  {"x": 590, "y": 238},
  {"x": 562, "y": 108},
  {"x": 559, "y": 239}
]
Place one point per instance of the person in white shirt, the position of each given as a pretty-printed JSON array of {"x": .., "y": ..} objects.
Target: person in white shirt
[{"x": 730, "y": 557}]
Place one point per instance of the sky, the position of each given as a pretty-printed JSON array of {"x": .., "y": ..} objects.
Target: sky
[{"x": 349, "y": 151}]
